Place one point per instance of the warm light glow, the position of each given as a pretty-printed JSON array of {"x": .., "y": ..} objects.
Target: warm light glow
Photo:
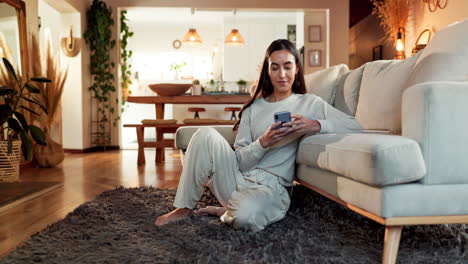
[
  {"x": 192, "y": 37},
  {"x": 399, "y": 45},
  {"x": 1, "y": 52},
  {"x": 234, "y": 39}
]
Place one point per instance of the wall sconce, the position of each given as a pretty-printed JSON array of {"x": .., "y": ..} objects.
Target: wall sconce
[
  {"x": 434, "y": 4},
  {"x": 192, "y": 37},
  {"x": 400, "y": 44},
  {"x": 234, "y": 39},
  {"x": 70, "y": 45}
]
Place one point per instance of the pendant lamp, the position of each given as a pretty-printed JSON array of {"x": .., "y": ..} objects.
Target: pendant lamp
[
  {"x": 234, "y": 39},
  {"x": 192, "y": 37}
]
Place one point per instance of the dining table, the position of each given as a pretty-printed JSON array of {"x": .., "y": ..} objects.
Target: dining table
[{"x": 160, "y": 102}]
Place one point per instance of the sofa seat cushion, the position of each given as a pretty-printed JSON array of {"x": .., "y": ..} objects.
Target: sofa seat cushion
[{"x": 373, "y": 159}]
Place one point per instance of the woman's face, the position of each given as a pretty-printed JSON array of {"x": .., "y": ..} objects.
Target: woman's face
[{"x": 282, "y": 70}]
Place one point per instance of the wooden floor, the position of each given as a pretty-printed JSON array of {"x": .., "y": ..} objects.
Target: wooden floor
[{"x": 84, "y": 177}]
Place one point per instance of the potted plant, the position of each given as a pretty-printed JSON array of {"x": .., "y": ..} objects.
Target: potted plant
[
  {"x": 242, "y": 86},
  {"x": 16, "y": 132},
  {"x": 176, "y": 67},
  {"x": 50, "y": 96}
]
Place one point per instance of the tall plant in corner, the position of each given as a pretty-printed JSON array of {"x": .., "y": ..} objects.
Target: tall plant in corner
[
  {"x": 125, "y": 55},
  {"x": 98, "y": 35}
]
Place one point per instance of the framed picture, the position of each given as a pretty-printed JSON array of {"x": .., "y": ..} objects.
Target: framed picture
[
  {"x": 315, "y": 58},
  {"x": 315, "y": 33},
  {"x": 377, "y": 53}
]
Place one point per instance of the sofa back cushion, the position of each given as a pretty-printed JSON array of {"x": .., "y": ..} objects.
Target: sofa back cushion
[
  {"x": 325, "y": 82},
  {"x": 382, "y": 86},
  {"x": 445, "y": 58},
  {"x": 347, "y": 92}
]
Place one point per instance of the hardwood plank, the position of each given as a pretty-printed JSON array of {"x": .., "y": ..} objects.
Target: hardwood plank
[
  {"x": 84, "y": 176},
  {"x": 24, "y": 191}
]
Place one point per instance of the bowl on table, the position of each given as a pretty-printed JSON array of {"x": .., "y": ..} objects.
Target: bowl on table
[{"x": 170, "y": 89}]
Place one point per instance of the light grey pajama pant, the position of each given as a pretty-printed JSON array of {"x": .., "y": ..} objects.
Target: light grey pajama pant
[{"x": 253, "y": 199}]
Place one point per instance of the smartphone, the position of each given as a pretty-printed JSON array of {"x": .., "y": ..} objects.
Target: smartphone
[{"x": 283, "y": 117}]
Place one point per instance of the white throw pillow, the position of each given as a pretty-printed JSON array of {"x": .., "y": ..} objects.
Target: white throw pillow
[
  {"x": 445, "y": 57},
  {"x": 324, "y": 83},
  {"x": 347, "y": 92},
  {"x": 382, "y": 86}
]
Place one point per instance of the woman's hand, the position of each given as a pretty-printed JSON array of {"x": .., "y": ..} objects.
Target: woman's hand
[
  {"x": 274, "y": 134},
  {"x": 302, "y": 125}
]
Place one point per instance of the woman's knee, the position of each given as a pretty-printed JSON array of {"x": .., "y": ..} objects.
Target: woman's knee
[{"x": 204, "y": 133}]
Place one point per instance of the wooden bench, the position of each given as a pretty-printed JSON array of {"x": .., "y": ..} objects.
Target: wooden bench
[{"x": 160, "y": 142}]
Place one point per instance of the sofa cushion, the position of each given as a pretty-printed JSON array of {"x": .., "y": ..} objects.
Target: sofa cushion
[
  {"x": 373, "y": 159},
  {"x": 347, "y": 92},
  {"x": 324, "y": 83},
  {"x": 383, "y": 83},
  {"x": 445, "y": 58}
]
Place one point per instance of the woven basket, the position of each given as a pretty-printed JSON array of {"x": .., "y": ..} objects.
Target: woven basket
[{"x": 9, "y": 163}]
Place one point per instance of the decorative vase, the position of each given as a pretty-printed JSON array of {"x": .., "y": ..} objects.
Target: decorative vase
[
  {"x": 50, "y": 155},
  {"x": 10, "y": 162}
]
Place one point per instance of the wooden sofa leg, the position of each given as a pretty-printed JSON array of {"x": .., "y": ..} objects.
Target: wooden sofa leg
[{"x": 391, "y": 244}]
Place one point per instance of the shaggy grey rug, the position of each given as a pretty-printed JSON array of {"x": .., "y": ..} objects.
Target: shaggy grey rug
[{"x": 117, "y": 227}]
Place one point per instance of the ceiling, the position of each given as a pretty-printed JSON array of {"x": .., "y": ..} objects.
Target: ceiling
[
  {"x": 358, "y": 10},
  {"x": 197, "y": 17}
]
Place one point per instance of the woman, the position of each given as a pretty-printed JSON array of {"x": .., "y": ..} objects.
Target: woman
[{"x": 251, "y": 182}]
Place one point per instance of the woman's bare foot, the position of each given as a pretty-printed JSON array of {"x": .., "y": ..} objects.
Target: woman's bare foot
[
  {"x": 176, "y": 215},
  {"x": 211, "y": 210}
]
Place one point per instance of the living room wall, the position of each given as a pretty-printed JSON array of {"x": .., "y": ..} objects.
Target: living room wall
[
  {"x": 338, "y": 11},
  {"x": 420, "y": 18}
]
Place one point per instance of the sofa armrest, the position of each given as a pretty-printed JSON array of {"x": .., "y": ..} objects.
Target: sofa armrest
[
  {"x": 185, "y": 133},
  {"x": 435, "y": 114}
]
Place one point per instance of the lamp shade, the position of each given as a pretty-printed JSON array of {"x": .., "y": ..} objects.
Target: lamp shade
[
  {"x": 234, "y": 39},
  {"x": 192, "y": 37}
]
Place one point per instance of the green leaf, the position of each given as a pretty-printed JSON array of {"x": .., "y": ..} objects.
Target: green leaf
[
  {"x": 22, "y": 120},
  {"x": 37, "y": 135},
  {"x": 40, "y": 79},
  {"x": 10, "y": 68},
  {"x": 30, "y": 110},
  {"x": 35, "y": 101},
  {"x": 13, "y": 124},
  {"x": 5, "y": 113},
  {"x": 6, "y": 91},
  {"x": 32, "y": 89},
  {"x": 26, "y": 145}
]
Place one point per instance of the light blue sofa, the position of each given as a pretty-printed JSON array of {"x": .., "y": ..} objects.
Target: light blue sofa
[{"x": 410, "y": 166}]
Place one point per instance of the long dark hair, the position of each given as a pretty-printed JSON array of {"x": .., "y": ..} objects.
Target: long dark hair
[{"x": 265, "y": 87}]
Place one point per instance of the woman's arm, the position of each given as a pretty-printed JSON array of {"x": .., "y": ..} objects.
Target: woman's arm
[
  {"x": 329, "y": 120},
  {"x": 248, "y": 151}
]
